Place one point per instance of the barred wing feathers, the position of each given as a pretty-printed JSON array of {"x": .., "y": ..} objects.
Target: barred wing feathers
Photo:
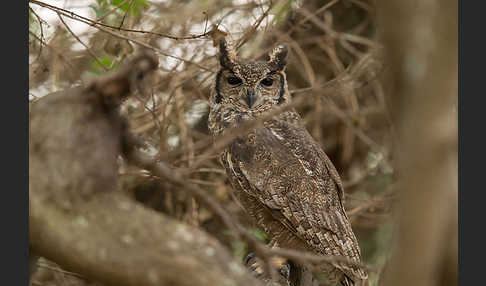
[{"x": 288, "y": 172}]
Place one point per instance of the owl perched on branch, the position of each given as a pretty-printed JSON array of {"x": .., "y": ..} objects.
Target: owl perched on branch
[{"x": 279, "y": 173}]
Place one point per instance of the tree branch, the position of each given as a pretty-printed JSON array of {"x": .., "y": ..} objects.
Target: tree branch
[{"x": 115, "y": 241}]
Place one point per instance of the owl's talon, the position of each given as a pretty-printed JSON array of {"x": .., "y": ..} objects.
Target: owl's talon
[
  {"x": 284, "y": 270},
  {"x": 249, "y": 257},
  {"x": 255, "y": 268}
]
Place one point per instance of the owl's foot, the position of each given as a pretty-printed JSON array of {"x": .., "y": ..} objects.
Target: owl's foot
[
  {"x": 257, "y": 269},
  {"x": 250, "y": 256}
]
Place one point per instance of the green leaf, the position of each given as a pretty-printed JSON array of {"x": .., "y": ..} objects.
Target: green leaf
[
  {"x": 107, "y": 62},
  {"x": 239, "y": 249},
  {"x": 260, "y": 235},
  {"x": 99, "y": 11},
  {"x": 129, "y": 7}
]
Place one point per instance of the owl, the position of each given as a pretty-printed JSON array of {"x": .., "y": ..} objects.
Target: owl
[{"x": 279, "y": 173}]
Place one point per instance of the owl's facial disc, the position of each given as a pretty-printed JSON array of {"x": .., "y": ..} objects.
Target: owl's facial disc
[
  {"x": 251, "y": 87},
  {"x": 256, "y": 94},
  {"x": 251, "y": 96}
]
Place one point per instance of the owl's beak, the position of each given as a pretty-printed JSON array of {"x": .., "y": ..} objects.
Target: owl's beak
[{"x": 250, "y": 97}]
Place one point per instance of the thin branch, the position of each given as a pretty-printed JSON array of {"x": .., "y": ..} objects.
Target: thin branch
[
  {"x": 52, "y": 49},
  {"x": 338, "y": 35},
  {"x": 97, "y": 23},
  {"x": 125, "y": 14},
  {"x": 365, "y": 138},
  {"x": 39, "y": 19},
  {"x": 247, "y": 35},
  {"x": 111, "y": 11},
  {"x": 305, "y": 257},
  {"x": 82, "y": 43},
  {"x": 159, "y": 51},
  {"x": 58, "y": 269}
]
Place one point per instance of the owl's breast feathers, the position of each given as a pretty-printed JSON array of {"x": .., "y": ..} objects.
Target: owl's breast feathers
[{"x": 283, "y": 170}]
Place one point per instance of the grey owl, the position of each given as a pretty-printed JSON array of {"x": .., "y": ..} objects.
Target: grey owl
[{"x": 279, "y": 173}]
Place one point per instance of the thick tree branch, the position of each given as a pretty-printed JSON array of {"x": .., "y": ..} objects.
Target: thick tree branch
[{"x": 116, "y": 241}]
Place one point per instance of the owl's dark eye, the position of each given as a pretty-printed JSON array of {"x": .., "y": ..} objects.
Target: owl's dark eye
[
  {"x": 268, "y": 81},
  {"x": 233, "y": 80}
]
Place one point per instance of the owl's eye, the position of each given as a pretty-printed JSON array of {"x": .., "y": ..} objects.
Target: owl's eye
[
  {"x": 233, "y": 80},
  {"x": 268, "y": 81}
]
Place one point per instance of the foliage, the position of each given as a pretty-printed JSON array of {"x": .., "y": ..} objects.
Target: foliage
[{"x": 131, "y": 7}]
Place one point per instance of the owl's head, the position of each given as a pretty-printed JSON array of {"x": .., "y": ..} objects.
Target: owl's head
[{"x": 250, "y": 86}]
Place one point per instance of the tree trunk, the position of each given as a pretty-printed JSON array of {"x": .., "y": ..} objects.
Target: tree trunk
[{"x": 421, "y": 44}]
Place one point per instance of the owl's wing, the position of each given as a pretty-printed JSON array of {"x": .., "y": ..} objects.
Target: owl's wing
[{"x": 289, "y": 173}]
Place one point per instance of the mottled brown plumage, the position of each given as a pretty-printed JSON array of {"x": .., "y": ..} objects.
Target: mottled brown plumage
[{"x": 279, "y": 173}]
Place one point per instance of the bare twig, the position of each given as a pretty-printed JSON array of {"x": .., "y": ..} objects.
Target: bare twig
[
  {"x": 39, "y": 19},
  {"x": 338, "y": 35},
  {"x": 159, "y": 51},
  {"x": 58, "y": 269},
  {"x": 97, "y": 23},
  {"x": 111, "y": 11},
  {"x": 125, "y": 14},
  {"x": 305, "y": 257},
  {"x": 82, "y": 43},
  {"x": 52, "y": 49},
  {"x": 246, "y": 36}
]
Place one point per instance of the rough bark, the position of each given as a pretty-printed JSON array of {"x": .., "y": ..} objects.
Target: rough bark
[
  {"x": 421, "y": 44},
  {"x": 115, "y": 241},
  {"x": 80, "y": 220}
]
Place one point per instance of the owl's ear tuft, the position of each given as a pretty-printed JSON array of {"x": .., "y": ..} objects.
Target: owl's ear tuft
[
  {"x": 226, "y": 54},
  {"x": 278, "y": 57}
]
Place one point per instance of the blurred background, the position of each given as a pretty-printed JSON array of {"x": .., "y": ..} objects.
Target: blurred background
[{"x": 336, "y": 63}]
